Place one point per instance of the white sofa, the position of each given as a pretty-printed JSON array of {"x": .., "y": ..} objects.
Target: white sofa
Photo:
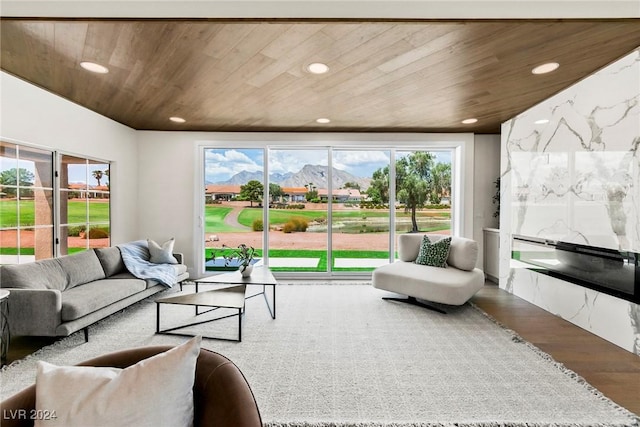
[{"x": 453, "y": 285}]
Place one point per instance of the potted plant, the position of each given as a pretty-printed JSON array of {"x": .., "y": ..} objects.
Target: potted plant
[{"x": 244, "y": 254}]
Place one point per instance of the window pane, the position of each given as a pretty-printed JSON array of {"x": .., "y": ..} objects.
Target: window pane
[
  {"x": 73, "y": 175},
  {"x": 360, "y": 217},
  {"x": 8, "y": 156},
  {"x": 75, "y": 239},
  {"x": 423, "y": 191},
  {"x": 73, "y": 210},
  {"x": 98, "y": 236},
  {"x": 234, "y": 188},
  {"x": 8, "y": 213},
  {"x": 298, "y": 215},
  {"x": 38, "y": 166},
  {"x": 98, "y": 210},
  {"x": 42, "y": 206},
  {"x": 37, "y": 242},
  {"x": 8, "y": 169}
]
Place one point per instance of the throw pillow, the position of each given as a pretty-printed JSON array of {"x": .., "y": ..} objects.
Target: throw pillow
[
  {"x": 162, "y": 254},
  {"x": 434, "y": 254},
  {"x": 157, "y": 391}
]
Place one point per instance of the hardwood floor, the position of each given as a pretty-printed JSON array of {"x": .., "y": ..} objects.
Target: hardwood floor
[{"x": 607, "y": 367}]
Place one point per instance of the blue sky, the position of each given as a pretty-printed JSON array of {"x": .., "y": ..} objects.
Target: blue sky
[{"x": 222, "y": 164}]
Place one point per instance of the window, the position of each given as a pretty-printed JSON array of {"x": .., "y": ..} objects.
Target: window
[
  {"x": 326, "y": 210},
  {"x": 33, "y": 201}
]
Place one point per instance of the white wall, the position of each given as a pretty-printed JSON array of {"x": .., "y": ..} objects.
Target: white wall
[
  {"x": 168, "y": 183},
  {"x": 34, "y": 116},
  {"x": 486, "y": 171}
]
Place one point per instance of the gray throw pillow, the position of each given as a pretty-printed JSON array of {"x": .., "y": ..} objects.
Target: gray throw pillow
[
  {"x": 162, "y": 254},
  {"x": 434, "y": 254},
  {"x": 111, "y": 260}
]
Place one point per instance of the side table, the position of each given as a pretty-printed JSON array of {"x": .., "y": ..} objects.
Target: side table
[{"x": 5, "y": 335}]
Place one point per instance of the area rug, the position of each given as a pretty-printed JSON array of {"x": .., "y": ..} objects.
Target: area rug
[{"x": 342, "y": 356}]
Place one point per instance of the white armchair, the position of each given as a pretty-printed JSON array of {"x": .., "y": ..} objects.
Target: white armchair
[{"x": 452, "y": 285}]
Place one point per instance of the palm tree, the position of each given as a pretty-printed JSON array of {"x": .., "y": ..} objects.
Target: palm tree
[{"x": 97, "y": 174}]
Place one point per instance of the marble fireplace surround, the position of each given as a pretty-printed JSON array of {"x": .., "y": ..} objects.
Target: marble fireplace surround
[
  {"x": 570, "y": 171},
  {"x": 613, "y": 272}
]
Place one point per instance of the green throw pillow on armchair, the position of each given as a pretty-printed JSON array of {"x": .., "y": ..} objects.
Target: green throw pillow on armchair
[{"x": 434, "y": 254}]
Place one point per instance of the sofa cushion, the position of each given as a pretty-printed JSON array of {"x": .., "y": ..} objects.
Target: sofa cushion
[
  {"x": 180, "y": 269},
  {"x": 111, "y": 260},
  {"x": 44, "y": 274},
  {"x": 433, "y": 254},
  {"x": 85, "y": 299},
  {"x": 161, "y": 254},
  {"x": 81, "y": 268},
  {"x": 463, "y": 253}
]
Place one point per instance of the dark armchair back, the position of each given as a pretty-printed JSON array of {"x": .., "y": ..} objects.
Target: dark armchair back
[{"x": 222, "y": 396}]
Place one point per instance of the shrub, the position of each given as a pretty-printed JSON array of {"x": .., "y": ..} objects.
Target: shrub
[
  {"x": 299, "y": 224},
  {"x": 288, "y": 227},
  {"x": 257, "y": 225},
  {"x": 75, "y": 230},
  {"x": 295, "y": 224},
  {"x": 98, "y": 233}
]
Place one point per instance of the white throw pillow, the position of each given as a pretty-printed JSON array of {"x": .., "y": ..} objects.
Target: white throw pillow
[
  {"x": 157, "y": 391},
  {"x": 162, "y": 254}
]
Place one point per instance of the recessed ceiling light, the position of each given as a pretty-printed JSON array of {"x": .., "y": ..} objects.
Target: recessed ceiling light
[
  {"x": 177, "y": 119},
  {"x": 545, "y": 68},
  {"x": 469, "y": 121},
  {"x": 541, "y": 121},
  {"x": 94, "y": 68},
  {"x": 323, "y": 120},
  {"x": 317, "y": 68}
]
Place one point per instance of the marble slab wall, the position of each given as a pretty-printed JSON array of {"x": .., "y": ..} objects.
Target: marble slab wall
[{"x": 570, "y": 170}]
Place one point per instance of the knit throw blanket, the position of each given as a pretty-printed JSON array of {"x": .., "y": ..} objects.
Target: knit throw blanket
[{"x": 135, "y": 256}]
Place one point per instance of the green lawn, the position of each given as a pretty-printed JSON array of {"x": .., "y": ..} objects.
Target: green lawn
[
  {"x": 76, "y": 213},
  {"x": 321, "y": 254},
  {"x": 278, "y": 216}
]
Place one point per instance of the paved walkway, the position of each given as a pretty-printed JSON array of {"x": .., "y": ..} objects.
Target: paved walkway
[{"x": 231, "y": 219}]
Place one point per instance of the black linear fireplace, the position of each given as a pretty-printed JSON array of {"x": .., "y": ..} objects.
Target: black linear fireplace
[{"x": 605, "y": 270}]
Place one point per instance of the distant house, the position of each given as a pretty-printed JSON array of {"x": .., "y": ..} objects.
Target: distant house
[
  {"x": 221, "y": 192},
  {"x": 82, "y": 191},
  {"x": 294, "y": 194},
  {"x": 341, "y": 196}
]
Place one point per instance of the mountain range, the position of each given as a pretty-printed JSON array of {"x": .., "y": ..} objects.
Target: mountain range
[{"x": 314, "y": 174}]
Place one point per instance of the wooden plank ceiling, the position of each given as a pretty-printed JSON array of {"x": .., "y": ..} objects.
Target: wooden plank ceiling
[{"x": 423, "y": 76}]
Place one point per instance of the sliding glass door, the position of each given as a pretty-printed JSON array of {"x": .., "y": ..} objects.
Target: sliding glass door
[{"x": 322, "y": 209}]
